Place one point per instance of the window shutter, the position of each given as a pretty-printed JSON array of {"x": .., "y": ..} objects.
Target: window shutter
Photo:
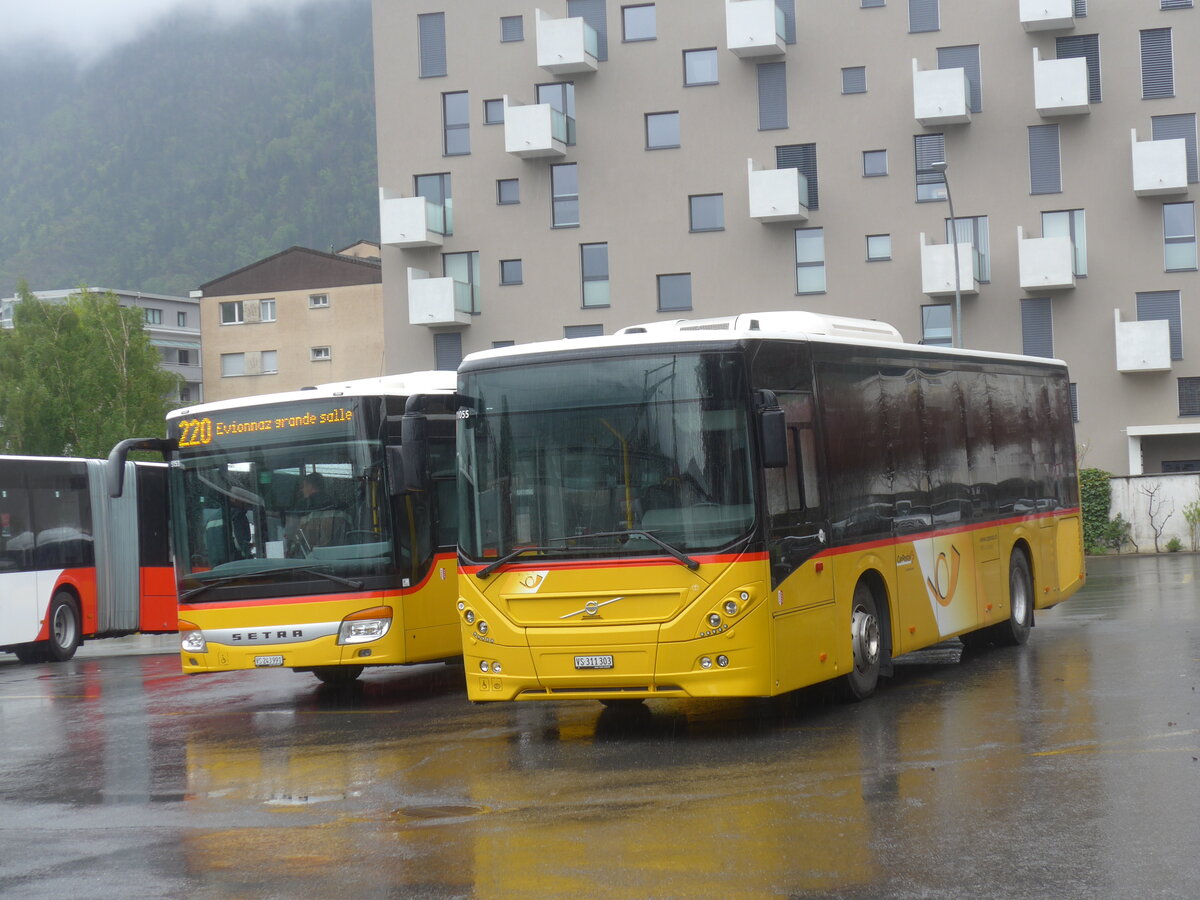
[
  {"x": 1087, "y": 46},
  {"x": 1037, "y": 331},
  {"x": 966, "y": 58},
  {"x": 772, "y": 96},
  {"x": 1074, "y": 388},
  {"x": 788, "y": 8},
  {"x": 804, "y": 158},
  {"x": 583, "y": 331},
  {"x": 1080, "y": 8},
  {"x": 1189, "y": 396},
  {"x": 1158, "y": 77},
  {"x": 432, "y": 33},
  {"x": 1175, "y": 4},
  {"x": 1153, "y": 305},
  {"x": 929, "y": 148},
  {"x": 447, "y": 351},
  {"x": 1165, "y": 128},
  {"x": 592, "y": 12},
  {"x": 923, "y": 16},
  {"x": 854, "y": 80},
  {"x": 512, "y": 28},
  {"x": 1045, "y": 170}
]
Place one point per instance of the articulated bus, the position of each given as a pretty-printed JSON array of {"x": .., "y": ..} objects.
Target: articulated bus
[
  {"x": 75, "y": 564},
  {"x": 314, "y": 529},
  {"x": 747, "y": 506}
]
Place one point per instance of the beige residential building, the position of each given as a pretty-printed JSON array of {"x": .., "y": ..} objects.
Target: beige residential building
[
  {"x": 296, "y": 319},
  {"x": 552, "y": 168}
]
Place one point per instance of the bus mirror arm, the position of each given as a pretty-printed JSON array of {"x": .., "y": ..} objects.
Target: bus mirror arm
[
  {"x": 115, "y": 469},
  {"x": 772, "y": 428}
]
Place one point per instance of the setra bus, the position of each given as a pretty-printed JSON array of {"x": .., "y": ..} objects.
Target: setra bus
[
  {"x": 75, "y": 564},
  {"x": 306, "y": 535},
  {"x": 749, "y": 505}
]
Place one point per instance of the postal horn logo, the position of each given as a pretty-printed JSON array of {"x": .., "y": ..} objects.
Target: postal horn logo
[
  {"x": 944, "y": 582},
  {"x": 533, "y": 581}
]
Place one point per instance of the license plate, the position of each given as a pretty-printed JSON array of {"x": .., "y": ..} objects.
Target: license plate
[
  {"x": 593, "y": 662},
  {"x": 268, "y": 660}
]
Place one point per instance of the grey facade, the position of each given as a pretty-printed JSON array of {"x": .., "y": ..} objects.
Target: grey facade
[{"x": 677, "y": 159}]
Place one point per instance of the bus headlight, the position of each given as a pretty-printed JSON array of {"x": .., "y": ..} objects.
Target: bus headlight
[
  {"x": 705, "y": 662},
  {"x": 731, "y": 608},
  {"x": 191, "y": 638},
  {"x": 469, "y": 615},
  {"x": 485, "y": 666},
  {"x": 365, "y": 625},
  {"x": 714, "y": 620},
  {"x": 482, "y": 627}
]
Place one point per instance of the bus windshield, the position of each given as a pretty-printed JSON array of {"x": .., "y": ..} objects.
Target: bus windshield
[
  {"x": 605, "y": 457},
  {"x": 281, "y": 513}
]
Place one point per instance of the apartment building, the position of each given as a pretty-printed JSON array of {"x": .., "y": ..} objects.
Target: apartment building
[
  {"x": 558, "y": 168},
  {"x": 172, "y": 323},
  {"x": 299, "y": 318}
]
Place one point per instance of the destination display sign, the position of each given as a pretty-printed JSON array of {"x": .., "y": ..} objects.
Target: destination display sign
[{"x": 267, "y": 424}]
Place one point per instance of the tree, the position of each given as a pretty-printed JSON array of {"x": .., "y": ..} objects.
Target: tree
[{"x": 77, "y": 377}]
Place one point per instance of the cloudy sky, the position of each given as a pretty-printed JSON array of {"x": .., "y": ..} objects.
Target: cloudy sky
[{"x": 90, "y": 27}]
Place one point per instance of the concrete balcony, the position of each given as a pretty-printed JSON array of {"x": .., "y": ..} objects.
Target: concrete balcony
[
  {"x": 1159, "y": 167},
  {"x": 937, "y": 269},
  {"x": 536, "y": 129},
  {"x": 566, "y": 46},
  {"x": 1045, "y": 264},
  {"x": 754, "y": 28},
  {"x": 777, "y": 195},
  {"x": 941, "y": 96},
  {"x": 1047, "y": 15},
  {"x": 438, "y": 302},
  {"x": 409, "y": 222},
  {"x": 1060, "y": 86},
  {"x": 1143, "y": 346}
]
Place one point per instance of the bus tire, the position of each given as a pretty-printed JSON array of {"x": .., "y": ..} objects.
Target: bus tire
[
  {"x": 1015, "y": 631},
  {"x": 337, "y": 676},
  {"x": 66, "y": 628},
  {"x": 866, "y": 641},
  {"x": 30, "y": 653}
]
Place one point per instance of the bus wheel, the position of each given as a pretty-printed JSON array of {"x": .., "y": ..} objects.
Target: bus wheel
[
  {"x": 623, "y": 704},
  {"x": 65, "y": 628},
  {"x": 866, "y": 639},
  {"x": 1015, "y": 631},
  {"x": 30, "y": 653},
  {"x": 337, "y": 676}
]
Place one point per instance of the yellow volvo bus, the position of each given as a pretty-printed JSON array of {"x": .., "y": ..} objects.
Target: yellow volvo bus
[
  {"x": 745, "y": 506},
  {"x": 315, "y": 529}
]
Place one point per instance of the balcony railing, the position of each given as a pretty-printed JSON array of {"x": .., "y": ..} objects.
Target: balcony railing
[
  {"x": 1143, "y": 346},
  {"x": 1045, "y": 263},
  {"x": 941, "y": 96},
  {"x": 1047, "y": 15},
  {"x": 408, "y": 222},
  {"x": 536, "y": 129},
  {"x": 1159, "y": 167},
  {"x": 566, "y": 46},
  {"x": 755, "y": 28},
  {"x": 1060, "y": 86},
  {"x": 438, "y": 302},
  {"x": 777, "y": 195}
]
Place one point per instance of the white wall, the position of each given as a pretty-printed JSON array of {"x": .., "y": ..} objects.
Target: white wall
[{"x": 1174, "y": 492}]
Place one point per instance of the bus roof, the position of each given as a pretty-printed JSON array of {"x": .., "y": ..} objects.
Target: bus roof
[
  {"x": 404, "y": 385},
  {"x": 792, "y": 325}
]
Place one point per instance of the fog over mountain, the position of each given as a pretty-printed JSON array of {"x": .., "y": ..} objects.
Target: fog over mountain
[{"x": 168, "y": 149}]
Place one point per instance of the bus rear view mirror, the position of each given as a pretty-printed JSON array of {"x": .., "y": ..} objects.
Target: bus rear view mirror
[
  {"x": 408, "y": 464},
  {"x": 115, "y": 470},
  {"x": 772, "y": 428}
]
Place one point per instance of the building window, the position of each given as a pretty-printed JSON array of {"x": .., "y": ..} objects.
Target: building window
[
  {"x": 923, "y": 16},
  {"x": 564, "y": 195},
  {"x": 1037, "y": 327},
  {"x": 153, "y": 316},
  {"x": 318, "y": 301},
  {"x": 675, "y": 291},
  {"x": 1182, "y": 125},
  {"x": 456, "y": 122},
  {"x": 233, "y": 364},
  {"x": 570, "y": 332},
  {"x": 1045, "y": 166},
  {"x": 966, "y": 58},
  {"x": 266, "y": 310},
  {"x": 1088, "y": 46},
  {"x": 1074, "y": 388},
  {"x": 181, "y": 319},
  {"x": 662, "y": 130},
  {"x": 937, "y": 328},
  {"x": 463, "y": 268},
  {"x": 699, "y": 67},
  {"x": 1189, "y": 397},
  {"x": 786, "y": 9},
  {"x": 872, "y": 4},
  {"x": 854, "y": 80},
  {"x": 185, "y": 393},
  {"x": 183, "y": 357},
  {"x": 875, "y": 163},
  {"x": 973, "y": 230},
  {"x": 706, "y": 212},
  {"x": 1175, "y": 4},
  {"x": 510, "y": 271},
  {"x": 269, "y": 362},
  {"x": 1069, "y": 223},
  {"x": 319, "y": 354},
  {"x": 1080, "y": 8},
  {"x": 231, "y": 312},
  {"x": 804, "y": 158},
  {"x": 431, "y": 30},
  {"x": 508, "y": 190},
  {"x": 879, "y": 247},
  {"x": 496, "y": 344},
  {"x": 638, "y": 22},
  {"x": 772, "y": 96},
  {"x": 436, "y": 189},
  {"x": 593, "y": 269},
  {"x": 561, "y": 97},
  {"x": 1158, "y": 71},
  {"x": 930, "y": 149},
  {"x": 447, "y": 351},
  {"x": 1179, "y": 236},
  {"x": 1155, "y": 305},
  {"x": 810, "y": 260},
  {"x": 512, "y": 28},
  {"x": 594, "y": 13},
  {"x": 493, "y": 112}
]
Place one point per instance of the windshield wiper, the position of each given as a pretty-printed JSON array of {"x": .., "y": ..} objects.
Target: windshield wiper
[
  {"x": 654, "y": 539},
  {"x": 263, "y": 573},
  {"x": 513, "y": 554}
]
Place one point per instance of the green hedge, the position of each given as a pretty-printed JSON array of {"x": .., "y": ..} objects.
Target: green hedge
[{"x": 1095, "y": 492}]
